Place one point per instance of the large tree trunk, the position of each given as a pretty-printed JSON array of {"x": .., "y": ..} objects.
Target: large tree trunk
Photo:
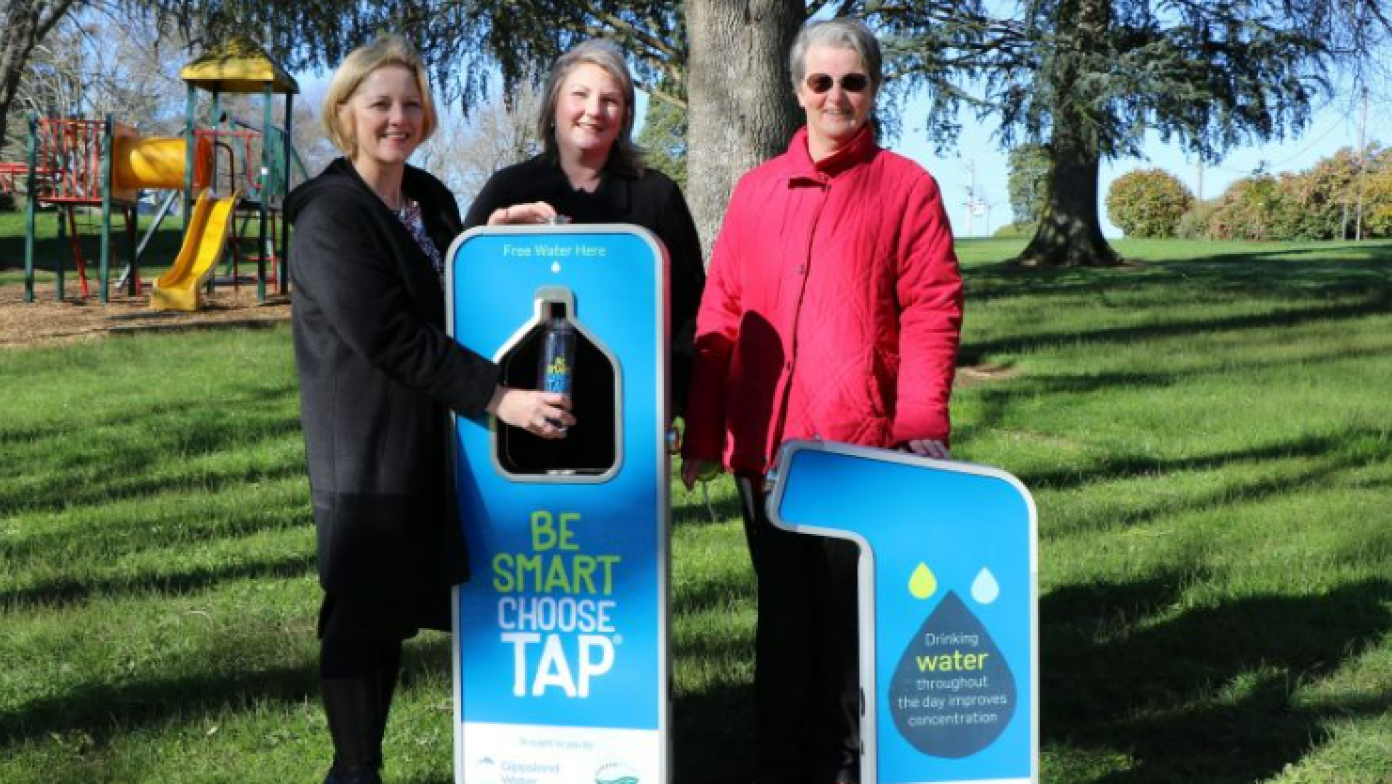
[
  {"x": 20, "y": 18},
  {"x": 740, "y": 105},
  {"x": 1070, "y": 233},
  {"x": 26, "y": 23}
]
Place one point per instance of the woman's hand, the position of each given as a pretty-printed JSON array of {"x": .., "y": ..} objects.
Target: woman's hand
[
  {"x": 928, "y": 447},
  {"x": 532, "y": 212},
  {"x": 545, "y": 414},
  {"x": 697, "y": 470}
]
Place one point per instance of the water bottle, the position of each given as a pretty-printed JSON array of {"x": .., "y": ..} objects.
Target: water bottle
[{"x": 557, "y": 371}]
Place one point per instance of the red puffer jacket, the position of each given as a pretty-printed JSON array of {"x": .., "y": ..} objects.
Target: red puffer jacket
[{"x": 832, "y": 309}]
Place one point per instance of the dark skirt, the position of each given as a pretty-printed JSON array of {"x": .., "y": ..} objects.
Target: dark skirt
[{"x": 396, "y": 617}]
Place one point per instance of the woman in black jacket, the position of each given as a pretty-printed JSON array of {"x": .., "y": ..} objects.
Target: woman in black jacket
[
  {"x": 378, "y": 376},
  {"x": 591, "y": 172}
]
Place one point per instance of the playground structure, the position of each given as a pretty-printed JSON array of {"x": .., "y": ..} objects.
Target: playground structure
[{"x": 78, "y": 165}]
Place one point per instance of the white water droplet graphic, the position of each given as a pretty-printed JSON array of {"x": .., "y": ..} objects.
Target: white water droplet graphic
[{"x": 984, "y": 588}]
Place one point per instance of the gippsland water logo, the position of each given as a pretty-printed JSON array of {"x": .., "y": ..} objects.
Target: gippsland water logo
[
  {"x": 487, "y": 771},
  {"x": 616, "y": 773}
]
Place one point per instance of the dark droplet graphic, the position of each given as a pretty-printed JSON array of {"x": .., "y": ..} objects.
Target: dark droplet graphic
[{"x": 953, "y": 693}]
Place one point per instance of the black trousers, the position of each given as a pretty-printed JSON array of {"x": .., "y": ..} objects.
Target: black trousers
[{"x": 806, "y": 674}]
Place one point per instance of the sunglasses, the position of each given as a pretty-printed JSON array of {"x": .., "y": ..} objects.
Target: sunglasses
[{"x": 851, "y": 82}]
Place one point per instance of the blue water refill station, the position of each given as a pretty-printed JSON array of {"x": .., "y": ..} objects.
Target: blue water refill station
[
  {"x": 948, "y": 610},
  {"x": 560, "y": 644}
]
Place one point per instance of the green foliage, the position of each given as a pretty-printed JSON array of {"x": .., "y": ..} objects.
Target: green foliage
[
  {"x": 1377, "y": 196},
  {"x": 1148, "y": 203},
  {"x": 1194, "y": 224},
  {"x": 1314, "y": 205},
  {"x": 1028, "y": 183},
  {"x": 1318, "y": 204},
  {"x": 1247, "y": 210},
  {"x": 1012, "y": 230},
  {"x": 663, "y": 139}
]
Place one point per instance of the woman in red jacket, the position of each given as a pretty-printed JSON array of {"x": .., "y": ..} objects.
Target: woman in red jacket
[{"x": 832, "y": 310}]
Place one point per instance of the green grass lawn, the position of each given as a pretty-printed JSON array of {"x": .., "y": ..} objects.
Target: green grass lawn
[{"x": 1206, "y": 433}]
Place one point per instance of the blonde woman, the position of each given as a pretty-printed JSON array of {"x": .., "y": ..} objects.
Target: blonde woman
[{"x": 378, "y": 376}]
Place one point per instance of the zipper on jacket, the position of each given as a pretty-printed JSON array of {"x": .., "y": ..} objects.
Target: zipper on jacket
[{"x": 804, "y": 271}]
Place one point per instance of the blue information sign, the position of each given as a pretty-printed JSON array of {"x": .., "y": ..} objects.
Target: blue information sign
[
  {"x": 561, "y": 662},
  {"x": 949, "y": 651}
]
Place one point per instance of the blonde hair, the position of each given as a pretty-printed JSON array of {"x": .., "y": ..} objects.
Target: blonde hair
[{"x": 385, "y": 50}]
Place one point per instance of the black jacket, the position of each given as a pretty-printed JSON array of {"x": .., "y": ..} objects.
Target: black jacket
[
  {"x": 652, "y": 201},
  {"x": 377, "y": 377}
]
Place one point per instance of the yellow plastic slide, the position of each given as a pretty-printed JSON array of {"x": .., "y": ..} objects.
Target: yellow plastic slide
[{"x": 178, "y": 289}]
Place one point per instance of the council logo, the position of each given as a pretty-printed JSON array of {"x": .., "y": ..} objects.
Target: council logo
[{"x": 616, "y": 773}]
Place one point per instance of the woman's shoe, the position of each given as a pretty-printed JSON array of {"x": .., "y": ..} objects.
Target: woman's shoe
[{"x": 358, "y": 776}]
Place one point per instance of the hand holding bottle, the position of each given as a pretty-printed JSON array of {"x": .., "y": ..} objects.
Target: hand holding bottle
[{"x": 545, "y": 414}]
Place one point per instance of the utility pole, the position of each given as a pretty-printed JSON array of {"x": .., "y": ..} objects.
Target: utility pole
[
  {"x": 971, "y": 194},
  {"x": 1199, "y": 195},
  {"x": 1362, "y": 167}
]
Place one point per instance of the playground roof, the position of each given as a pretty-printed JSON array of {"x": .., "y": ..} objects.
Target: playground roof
[{"x": 238, "y": 66}]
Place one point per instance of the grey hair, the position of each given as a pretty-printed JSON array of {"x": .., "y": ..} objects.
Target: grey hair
[
  {"x": 625, "y": 157},
  {"x": 840, "y": 33}
]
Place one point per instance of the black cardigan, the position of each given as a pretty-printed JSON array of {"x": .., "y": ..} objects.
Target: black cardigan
[
  {"x": 377, "y": 375},
  {"x": 652, "y": 201}
]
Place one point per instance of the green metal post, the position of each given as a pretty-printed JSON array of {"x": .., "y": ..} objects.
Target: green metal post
[
  {"x": 190, "y": 107},
  {"x": 216, "y": 123},
  {"x": 264, "y": 185},
  {"x": 30, "y": 207},
  {"x": 286, "y": 147},
  {"x": 108, "y": 141},
  {"x": 133, "y": 228},
  {"x": 60, "y": 272}
]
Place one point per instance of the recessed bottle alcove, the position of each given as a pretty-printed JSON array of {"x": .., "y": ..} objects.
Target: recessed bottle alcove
[{"x": 591, "y": 449}]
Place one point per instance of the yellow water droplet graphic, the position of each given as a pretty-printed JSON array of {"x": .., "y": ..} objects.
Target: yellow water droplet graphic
[
  {"x": 923, "y": 584},
  {"x": 985, "y": 589}
]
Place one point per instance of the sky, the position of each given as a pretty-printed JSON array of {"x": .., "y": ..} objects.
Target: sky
[{"x": 1332, "y": 128}]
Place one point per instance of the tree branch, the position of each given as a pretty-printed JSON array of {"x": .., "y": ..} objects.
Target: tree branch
[
  {"x": 656, "y": 53},
  {"x": 56, "y": 12},
  {"x": 664, "y": 96}
]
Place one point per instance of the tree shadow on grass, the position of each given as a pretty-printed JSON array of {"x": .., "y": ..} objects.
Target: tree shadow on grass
[
  {"x": 1279, "y": 271},
  {"x": 713, "y": 594},
  {"x": 108, "y": 539},
  {"x": 1340, "y": 451},
  {"x": 694, "y": 513},
  {"x": 1370, "y": 303},
  {"x": 997, "y": 397},
  {"x": 65, "y": 591},
  {"x": 117, "y": 468},
  {"x": 103, "y": 711},
  {"x": 1208, "y": 695}
]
